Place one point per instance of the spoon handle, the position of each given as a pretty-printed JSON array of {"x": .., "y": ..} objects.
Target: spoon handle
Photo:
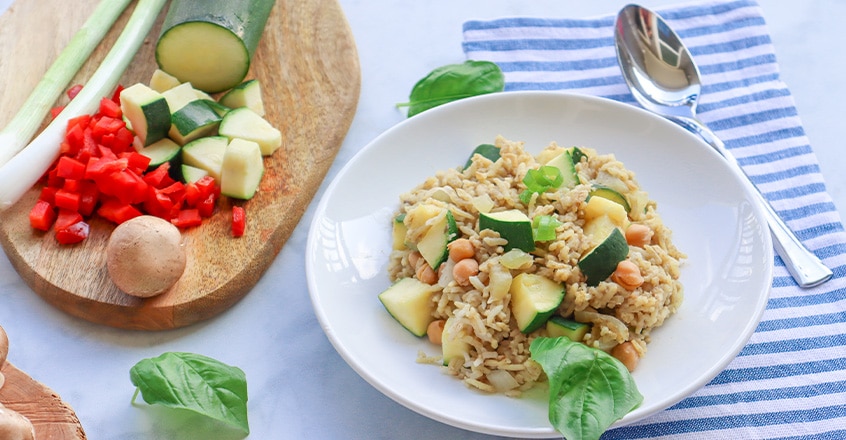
[{"x": 803, "y": 265}]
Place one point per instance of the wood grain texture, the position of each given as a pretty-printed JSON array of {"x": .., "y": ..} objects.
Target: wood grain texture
[
  {"x": 50, "y": 416},
  {"x": 308, "y": 67}
]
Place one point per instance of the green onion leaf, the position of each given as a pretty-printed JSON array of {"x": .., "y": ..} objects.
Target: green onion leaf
[
  {"x": 539, "y": 181},
  {"x": 196, "y": 383},
  {"x": 543, "y": 227}
]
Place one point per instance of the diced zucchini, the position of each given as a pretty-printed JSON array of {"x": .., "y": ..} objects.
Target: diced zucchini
[
  {"x": 559, "y": 326},
  {"x": 206, "y": 154},
  {"x": 534, "y": 298},
  {"x": 577, "y": 154},
  {"x": 177, "y": 97},
  {"x": 162, "y": 81},
  {"x": 433, "y": 245},
  {"x": 192, "y": 174},
  {"x": 489, "y": 151},
  {"x": 246, "y": 124},
  {"x": 599, "y": 228},
  {"x": 247, "y": 94},
  {"x": 398, "y": 232},
  {"x": 159, "y": 152},
  {"x": 610, "y": 194},
  {"x": 409, "y": 301},
  {"x": 241, "y": 170},
  {"x": 194, "y": 120},
  {"x": 218, "y": 108},
  {"x": 564, "y": 163},
  {"x": 602, "y": 261},
  {"x": 512, "y": 225},
  {"x": 452, "y": 346},
  {"x": 147, "y": 112},
  {"x": 210, "y": 44},
  {"x": 599, "y": 206}
]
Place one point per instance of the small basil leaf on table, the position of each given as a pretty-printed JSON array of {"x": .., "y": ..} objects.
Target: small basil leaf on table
[
  {"x": 453, "y": 82},
  {"x": 588, "y": 388},
  {"x": 196, "y": 383}
]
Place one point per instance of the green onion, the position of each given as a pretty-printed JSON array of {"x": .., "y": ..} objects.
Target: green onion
[
  {"x": 540, "y": 181},
  {"x": 543, "y": 227},
  {"x": 24, "y": 169},
  {"x": 25, "y": 123}
]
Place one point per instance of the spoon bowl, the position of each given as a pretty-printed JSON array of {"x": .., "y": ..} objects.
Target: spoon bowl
[{"x": 664, "y": 79}]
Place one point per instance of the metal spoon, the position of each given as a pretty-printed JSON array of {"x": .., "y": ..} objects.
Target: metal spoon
[{"x": 664, "y": 79}]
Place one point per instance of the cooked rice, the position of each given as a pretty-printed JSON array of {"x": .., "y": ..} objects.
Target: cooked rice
[{"x": 616, "y": 315}]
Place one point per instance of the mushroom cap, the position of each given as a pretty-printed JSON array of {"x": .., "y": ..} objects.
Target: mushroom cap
[{"x": 145, "y": 256}]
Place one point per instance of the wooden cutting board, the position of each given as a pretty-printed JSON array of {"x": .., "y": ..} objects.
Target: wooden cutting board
[
  {"x": 50, "y": 416},
  {"x": 308, "y": 68}
]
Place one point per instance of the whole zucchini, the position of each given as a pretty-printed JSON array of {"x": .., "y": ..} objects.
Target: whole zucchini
[{"x": 210, "y": 43}]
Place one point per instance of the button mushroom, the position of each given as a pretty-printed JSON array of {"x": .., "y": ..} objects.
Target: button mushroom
[{"x": 145, "y": 256}]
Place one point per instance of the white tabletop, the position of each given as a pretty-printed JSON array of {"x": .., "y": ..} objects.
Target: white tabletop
[{"x": 299, "y": 387}]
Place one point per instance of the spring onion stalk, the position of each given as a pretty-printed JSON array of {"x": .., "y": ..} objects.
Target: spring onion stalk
[
  {"x": 25, "y": 123},
  {"x": 26, "y": 168}
]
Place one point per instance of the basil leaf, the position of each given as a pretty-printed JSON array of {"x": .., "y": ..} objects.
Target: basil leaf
[
  {"x": 588, "y": 388},
  {"x": 453, "y": 82},
  {"x": 196, "y": 383}
]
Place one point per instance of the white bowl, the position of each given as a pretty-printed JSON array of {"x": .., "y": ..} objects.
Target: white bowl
[{"x": 726, "y": 277}]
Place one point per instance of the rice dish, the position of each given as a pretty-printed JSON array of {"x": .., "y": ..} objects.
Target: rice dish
[{"x": 478, "y": 312}]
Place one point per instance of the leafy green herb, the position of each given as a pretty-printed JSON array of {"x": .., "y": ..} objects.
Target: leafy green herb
[
  {"x": 540, "y": 180},
  {"x": 196, "y": 383},
  {"x": 588, "y": 388},
  {"x": 543, "y": 227},
  {"x": 453, "y": 82}
]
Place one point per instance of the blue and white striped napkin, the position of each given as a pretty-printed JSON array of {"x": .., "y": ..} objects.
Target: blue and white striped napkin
[{"x": 790, "y": 380}]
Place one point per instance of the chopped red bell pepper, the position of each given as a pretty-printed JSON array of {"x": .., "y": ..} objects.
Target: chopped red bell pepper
[
  {"x": 117, "y": 212},
  {"x": 187, "y": 218},
  {"x": 74, "y": 90},
  {"x": 66, "y": 199},
  {"x": 42, "y": 215},
  {"x": 70, "y": 168},
  {"x": 111, "y": 108},
  {"x": 73, "y": 233},
  {"x": 239, "y": 221},
  {"x": 67, "y": 217}
]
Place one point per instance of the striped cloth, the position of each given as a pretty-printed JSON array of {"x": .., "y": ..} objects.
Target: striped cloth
[{"x": 789, "y": 382}]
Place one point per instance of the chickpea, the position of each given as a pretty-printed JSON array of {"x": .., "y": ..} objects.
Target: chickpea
[
  {"x": 426, "y": 274},
  {"x": 627, "y": 354},
  {"x": 435, "y": 331},
  {"x": 638, "y": 235},
  {"x": 460, "y": 249},
  {"x": 463, "y": 270},
  {"x": 414, "y": 259},
  {"x": 627, "y": 275}
]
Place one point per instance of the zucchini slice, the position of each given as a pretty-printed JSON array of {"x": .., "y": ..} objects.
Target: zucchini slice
[
  {"x": 192, "y": 174},
  {"x": 434, "y": 244},
  {"x": 246, "y": 124},
  {"x": 164, "y": 150},
  {"x": 241, "y": 170},
  {"x": 560, "y": 326},
  {"x": 564, "y": 163},
  {"x": 513, "y": 225},
  {"x": 247, "y": 94},
  {"x": 598, "y": 264},
  {"x": 610, "y": 194},
  {"x": 534, "y": 298},
  {"x": 206, "y": 154},
  {"x": 398, "y": 233},
  {"x": 147, "y": 111},
  {"x": 193, "y": 121},
  {"x": 409, "y": 301},
  {"x": 210, "y": 44},
  {"x": 161, "y": 81}
]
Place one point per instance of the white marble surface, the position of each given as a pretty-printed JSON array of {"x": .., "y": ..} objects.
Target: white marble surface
[{"x": 298, "y": 386}]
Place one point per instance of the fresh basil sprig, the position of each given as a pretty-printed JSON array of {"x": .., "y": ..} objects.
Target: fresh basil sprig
[
  {"x": 453, "y": 82},
  {"x": 588, "y": 389},
  {"x": 196, "y": 383}
]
